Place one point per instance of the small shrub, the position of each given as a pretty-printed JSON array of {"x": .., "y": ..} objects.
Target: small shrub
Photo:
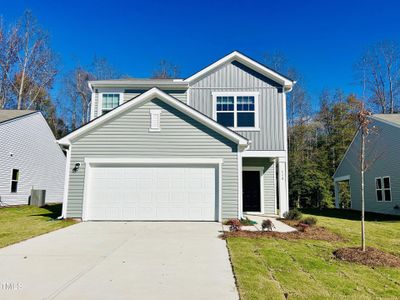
[
  {"x": 267, "y": 225},
  {"x": 303, "y": 227},
  {"x": 293, "y": 214},
  {"x": 311, "y": 221},
  {"x": 247, "y": 222},
  {"x": 234, "y": 225}
]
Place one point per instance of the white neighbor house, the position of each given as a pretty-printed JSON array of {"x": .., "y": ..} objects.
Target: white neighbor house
[
  {"x": 29, "y": 158},
  {"x": 205, "y": 148}
]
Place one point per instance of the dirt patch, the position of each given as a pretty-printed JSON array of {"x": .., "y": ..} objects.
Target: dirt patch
[
  {"x": 370, "y": 257},
  {"x": 312, "y": 233}
]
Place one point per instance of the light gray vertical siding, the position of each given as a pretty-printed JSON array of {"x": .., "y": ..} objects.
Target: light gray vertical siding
[
  {"x": 269, "y": 183},
  {"x": 27, "y": 144},
  {"x": 382, "y": 154},
  {"x": 234, "y": 77},
  {"x": 127, "y": 135}
]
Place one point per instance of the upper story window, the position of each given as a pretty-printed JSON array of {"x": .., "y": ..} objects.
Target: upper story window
[
  {"x": 109, "y": 101},
  {"x": 383, "y": 189},
  {"x": 237, "y": 110}
]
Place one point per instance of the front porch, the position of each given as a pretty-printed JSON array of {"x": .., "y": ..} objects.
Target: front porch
[{"x": 264, "y": 188}]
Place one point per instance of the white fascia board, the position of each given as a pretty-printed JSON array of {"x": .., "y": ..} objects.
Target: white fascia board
[
  {"x": 274, "y": 154},
  {"x": 288, "y": 84},
  {"x": 342, "y": 178},
  {"x": 154, "y": 161},
  {"x": 345, "y": 153},
  {"x": 151, "y": 94}
]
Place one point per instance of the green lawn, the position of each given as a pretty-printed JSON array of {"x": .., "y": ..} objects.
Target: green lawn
[
  {"x": 23, "y": 222},
  {"x": 267, "y": 268}
]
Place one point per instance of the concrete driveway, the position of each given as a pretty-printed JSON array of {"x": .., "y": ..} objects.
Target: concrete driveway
[{"x": 118, "y": 260}]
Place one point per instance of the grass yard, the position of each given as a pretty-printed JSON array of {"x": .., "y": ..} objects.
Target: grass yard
[
  {"x": 269, "y": 268},
  {"x": 24, "y": 222}
]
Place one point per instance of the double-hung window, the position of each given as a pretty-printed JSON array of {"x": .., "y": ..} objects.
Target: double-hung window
[
  {"x": 14, "y": 180},
  {"x": 237, "y": 110},
  {"x": 383, "y": 189},
  {"x": 109, "y": 101}
]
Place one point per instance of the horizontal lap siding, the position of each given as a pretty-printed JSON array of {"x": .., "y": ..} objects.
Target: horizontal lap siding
[
  {"x": 382, "y": 154},
  {"x": 127, "y": 135},
  {"x": 233, "y": 78},
  {"x": 36, "y": 155}
]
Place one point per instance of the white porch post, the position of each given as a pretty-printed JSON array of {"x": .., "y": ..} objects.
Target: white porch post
[
  {"x": 283, "y": 186},
  {"x": 337, "y": 194}
]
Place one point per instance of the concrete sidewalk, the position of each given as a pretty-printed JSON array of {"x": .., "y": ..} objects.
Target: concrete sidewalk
[{"x": 117, "y": 260}]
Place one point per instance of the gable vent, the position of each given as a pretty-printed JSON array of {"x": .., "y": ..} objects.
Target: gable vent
[{"x": 155, "y": 120}]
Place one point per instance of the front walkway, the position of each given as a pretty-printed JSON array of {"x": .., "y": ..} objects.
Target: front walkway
[{"x": 118, "y": 260}]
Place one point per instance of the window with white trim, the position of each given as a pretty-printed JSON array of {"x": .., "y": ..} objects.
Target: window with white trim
[
  {"x": 155, "y": 120},
  {"x": 236, "y": 110},
  {"x": 109, "y": 101},
  {"x": 14, "y": 180},
  {"x": 383, "y": 189}
]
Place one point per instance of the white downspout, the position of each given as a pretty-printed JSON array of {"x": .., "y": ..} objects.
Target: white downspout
[{"x": 66, "y": 184}]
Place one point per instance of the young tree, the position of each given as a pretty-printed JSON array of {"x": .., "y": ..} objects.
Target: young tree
[{"x": 364, "y": 120}]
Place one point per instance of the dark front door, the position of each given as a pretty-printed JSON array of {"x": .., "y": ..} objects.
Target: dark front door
[{"x": 251, "y": 191}]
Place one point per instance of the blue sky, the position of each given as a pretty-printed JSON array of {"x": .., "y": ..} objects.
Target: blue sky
[{"x": 322, "y": 39}]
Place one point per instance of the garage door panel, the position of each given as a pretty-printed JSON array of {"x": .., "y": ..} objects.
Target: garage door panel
[{"x": 152, "y": 193}]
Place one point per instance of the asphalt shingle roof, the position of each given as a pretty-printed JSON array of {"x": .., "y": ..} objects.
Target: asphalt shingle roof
[{"x": 9, "y": 114}]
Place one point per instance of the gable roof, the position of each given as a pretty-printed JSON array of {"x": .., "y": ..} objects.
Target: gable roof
[
  {"x": 390, "y": 119},
  {"x": 11, "y": 114},
  {"x": 286, "y": 82},
  {"x": 149, "y": 95},
  {"x": 139, "y": 82}
]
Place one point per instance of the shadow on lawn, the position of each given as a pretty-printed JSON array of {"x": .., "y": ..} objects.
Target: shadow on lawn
[
  {"x": 349, "y": 214},
  {"x": 53, "y": 211}
]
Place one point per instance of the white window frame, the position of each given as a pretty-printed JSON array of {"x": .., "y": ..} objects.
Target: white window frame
[
  {"x": 235, "y": 111},
  {"x": 12, "y": 180},
  {"x": 100, "y": 104},
  {"x": 383, "y": 189},
  {"x": 155, "y": 113}
]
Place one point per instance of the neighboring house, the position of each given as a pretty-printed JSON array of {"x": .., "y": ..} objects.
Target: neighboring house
[
  {"x": 205, "y": 148},
  {"x": 382, "y": 178},
  {"x": 30, "y": 158}
]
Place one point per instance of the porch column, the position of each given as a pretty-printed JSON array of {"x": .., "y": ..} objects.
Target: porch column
[
  {"x": 283, "y": 186},
  {"x": 337, "y": 194}
]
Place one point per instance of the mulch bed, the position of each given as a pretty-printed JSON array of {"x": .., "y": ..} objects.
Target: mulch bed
[
  {"x": 312, "y": 233},
  {"x": 370, "y": 257}
]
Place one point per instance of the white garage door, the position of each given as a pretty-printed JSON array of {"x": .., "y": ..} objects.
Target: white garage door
[{"x": 152, "y": 193}]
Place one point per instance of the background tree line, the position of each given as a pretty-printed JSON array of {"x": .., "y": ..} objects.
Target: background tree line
[{"x": 317, "y": 138}]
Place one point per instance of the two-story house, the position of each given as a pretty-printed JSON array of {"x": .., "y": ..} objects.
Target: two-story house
[{"x": 208, "y": 147}]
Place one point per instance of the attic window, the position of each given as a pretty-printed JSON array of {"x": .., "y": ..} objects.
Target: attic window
[{"x": 155, "y": 120}]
